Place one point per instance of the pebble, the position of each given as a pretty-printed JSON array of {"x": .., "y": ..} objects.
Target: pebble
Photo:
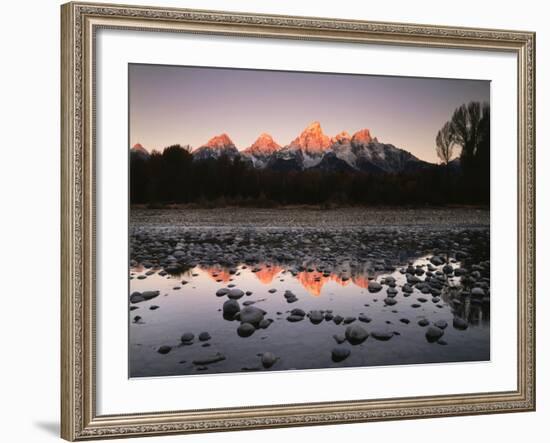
[
  {"x": 204, "y": 336},
  {"x": 165, "y": 349},
  {"x": 382, "y": 335},
  {"x": 339, "y": 338},
  {"x": 268, "y": 359},
  {"x": 340, "y": 354},
  {"x": 187, "y": 338}
]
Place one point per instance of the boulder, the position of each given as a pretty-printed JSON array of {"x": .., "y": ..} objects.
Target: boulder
[
  {"x": 356, "y": 334},
  {"x": 433, "y": 334},
  {"x": 245, "y": 329}
]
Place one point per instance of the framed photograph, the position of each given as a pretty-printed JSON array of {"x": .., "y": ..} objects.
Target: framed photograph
[{"x": 282, "y": 221}]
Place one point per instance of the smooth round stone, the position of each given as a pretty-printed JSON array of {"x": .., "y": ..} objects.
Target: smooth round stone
[
  {"x": 374, "y": 286},
  {"x": 415, "y": 305},
  {"x": 268, "y": 359},
  {"x": 245, "y": 330},
  {"x": 235, "y": 294},
  {"x": 404, "y": 320},
  {"x": 164, "y": 349},
  {"x": 204, "y": 336},
  {"x": 340, "y": 354},
  {"x": 223, "y": 291},
  {"x": 251, "y": 314},
  {"x": 349, "y": 320},
  {"x": 339, "y": 338},
  {"x": 356, "y": 334},
  {"x": 423, "y": 322},
  {"x": 298, "y": 311},
  {"x": 433, "y": 334},
  {"x": 316, "y": 317},
  {"x": 230, "y": 308},
  {"x": 136, "y": 297},
  {"x": 187, "y": 337},
  {"x": 289, "y": 294},
  {"x": 148, "y": 295},
  {"x": 390, "y": 301},
  {"x": 460, "y": 324},
  {"x": 382, "y": 335},
  {"x": 294, "y": 318}
]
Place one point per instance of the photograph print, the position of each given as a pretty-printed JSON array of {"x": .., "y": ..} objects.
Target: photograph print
[{"x": 301, "y": 220}]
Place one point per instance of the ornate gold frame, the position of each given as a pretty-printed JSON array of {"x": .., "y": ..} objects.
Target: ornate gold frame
[{"x": 79, "y": 23}]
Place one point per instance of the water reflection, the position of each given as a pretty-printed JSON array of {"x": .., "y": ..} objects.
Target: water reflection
[
  {"x": 188, "y": 302},
  {"x": 311, "y": 280}
]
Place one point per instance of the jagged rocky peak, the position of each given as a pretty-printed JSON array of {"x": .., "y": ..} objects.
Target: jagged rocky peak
[
  {"x": 138, "y": 147},
  {"x": 264, "y": 145},
  {"x": 342, "y": 138},
  {"x": 312, "y": 140},
  {"x": 139, "y": 151},
  {"x": 219, "y": 142},
  {"x": 363, "y": 137},
  {"x": 216, "y": 147}
]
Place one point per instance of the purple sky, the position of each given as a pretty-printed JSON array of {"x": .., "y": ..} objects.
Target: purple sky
[{"x": 188, "y": 105}]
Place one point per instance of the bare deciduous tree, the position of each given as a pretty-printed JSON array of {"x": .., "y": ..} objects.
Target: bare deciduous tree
[{"x": 445, "y": 141}]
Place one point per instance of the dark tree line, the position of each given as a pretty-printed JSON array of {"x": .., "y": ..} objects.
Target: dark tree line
[{"x": 174, "y": 177}]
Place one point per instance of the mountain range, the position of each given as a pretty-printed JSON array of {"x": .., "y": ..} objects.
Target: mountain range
[{"x": 313, "y": 149}]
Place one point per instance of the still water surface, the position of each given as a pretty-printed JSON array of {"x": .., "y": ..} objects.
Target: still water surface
[{"x": 193, "y": 306}]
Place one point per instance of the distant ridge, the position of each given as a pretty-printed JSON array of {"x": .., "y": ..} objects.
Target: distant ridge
[
  {"x": 313, "y": 149},
  {"x": 139, "y": 150}
]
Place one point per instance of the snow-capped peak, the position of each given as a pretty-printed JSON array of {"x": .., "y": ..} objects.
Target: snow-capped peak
[{"x": 312, "y": 140}]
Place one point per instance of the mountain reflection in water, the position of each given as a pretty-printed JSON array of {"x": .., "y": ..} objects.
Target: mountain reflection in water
[{"x": 311, "y": 280}]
